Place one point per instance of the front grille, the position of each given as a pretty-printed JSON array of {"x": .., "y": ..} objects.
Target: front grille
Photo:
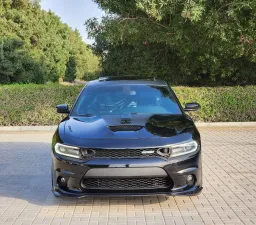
[
  {"x": 123, "y": 153},
  {"x": 125, "y": 128},
  {"x": 127, "y": 183}
]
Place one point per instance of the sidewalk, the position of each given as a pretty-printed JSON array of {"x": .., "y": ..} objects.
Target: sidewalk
[{"x": 228, "y": 197}]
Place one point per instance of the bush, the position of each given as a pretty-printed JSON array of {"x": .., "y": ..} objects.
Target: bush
[
  {"x": 220, "y": 104},
  {"x": 33, "y": 104}
]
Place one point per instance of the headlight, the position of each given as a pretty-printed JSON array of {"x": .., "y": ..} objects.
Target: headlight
[
  {"x": 184, "y": 148},
  {"x": 67, "y": 150}
]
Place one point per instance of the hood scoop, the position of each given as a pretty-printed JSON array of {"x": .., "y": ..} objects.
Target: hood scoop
[{"x": 125, "y": 127}]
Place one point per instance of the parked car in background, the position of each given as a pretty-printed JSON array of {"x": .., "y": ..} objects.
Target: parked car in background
[{"x": 126, "y": 136}]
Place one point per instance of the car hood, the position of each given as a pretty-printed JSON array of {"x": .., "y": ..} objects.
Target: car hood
[{"x": 95, "y": 130}]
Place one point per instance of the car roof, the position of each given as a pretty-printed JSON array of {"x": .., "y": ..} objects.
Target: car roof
[{"x": 126, "y": 81}]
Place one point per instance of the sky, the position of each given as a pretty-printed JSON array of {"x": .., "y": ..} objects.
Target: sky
[{"x": 74, "y": 13}]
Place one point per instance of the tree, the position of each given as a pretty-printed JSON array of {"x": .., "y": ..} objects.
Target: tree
[
  {"x": 45, "y": 38},
  {"x": 186, "y": 42},
  {"x": 16, "y": 66},
  {"x": 70, "y": 74}
]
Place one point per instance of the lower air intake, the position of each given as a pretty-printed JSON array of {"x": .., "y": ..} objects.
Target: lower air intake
[{"x": 127, "y": 183}]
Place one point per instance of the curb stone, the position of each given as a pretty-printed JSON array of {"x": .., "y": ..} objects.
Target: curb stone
[
  {"x": 226, "y": 124},
  {"x": 198, "y": 124},
  {"x": 28, "y": 128}
]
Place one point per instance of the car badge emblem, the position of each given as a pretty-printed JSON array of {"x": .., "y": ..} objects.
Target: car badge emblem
[{"x": 125, "y": 121}]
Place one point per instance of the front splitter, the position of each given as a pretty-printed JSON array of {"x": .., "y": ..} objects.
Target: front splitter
[{"x": 192, "y": 191}]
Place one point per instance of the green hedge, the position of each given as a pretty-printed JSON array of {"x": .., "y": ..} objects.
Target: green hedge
[
  {"x": 32, "y": 105},
  {"x": 35, "y": 104},
  {"x": 221, "y": 104}
]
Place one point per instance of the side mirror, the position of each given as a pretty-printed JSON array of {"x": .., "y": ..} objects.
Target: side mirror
[
  {"x": 63, "y": 108},
  {"x": 192, "y": 107}
]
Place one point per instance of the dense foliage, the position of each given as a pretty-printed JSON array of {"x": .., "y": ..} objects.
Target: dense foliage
[
  {"x": 35, "y": 45},
  {"x": 70, "y": 74},
  {"x": 187, "y": 42},
  {"x": 17, "y": 66},
  {"x": 36, "y": 104}
]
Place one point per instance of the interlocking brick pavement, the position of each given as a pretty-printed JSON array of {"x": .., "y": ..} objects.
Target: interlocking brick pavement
[{"x": 228, "y": 197}]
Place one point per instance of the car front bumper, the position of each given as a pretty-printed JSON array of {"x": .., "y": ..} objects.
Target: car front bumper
[{"x": 176, "y": 169}]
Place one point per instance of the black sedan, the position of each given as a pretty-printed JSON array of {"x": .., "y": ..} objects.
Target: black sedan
[{"x": 126, "y": 136}]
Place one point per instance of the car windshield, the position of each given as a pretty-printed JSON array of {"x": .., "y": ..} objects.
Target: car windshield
[{"x": 125, "y": 99}]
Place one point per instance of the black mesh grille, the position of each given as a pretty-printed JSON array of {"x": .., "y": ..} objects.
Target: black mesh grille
[
  {"x": 124, "y": 153},
  {"x": 125, "y": 128},
  {"x": 127, "y": 183}
]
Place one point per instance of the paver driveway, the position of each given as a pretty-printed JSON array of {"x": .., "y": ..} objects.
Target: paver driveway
[{"x": 229, "y": 195}]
